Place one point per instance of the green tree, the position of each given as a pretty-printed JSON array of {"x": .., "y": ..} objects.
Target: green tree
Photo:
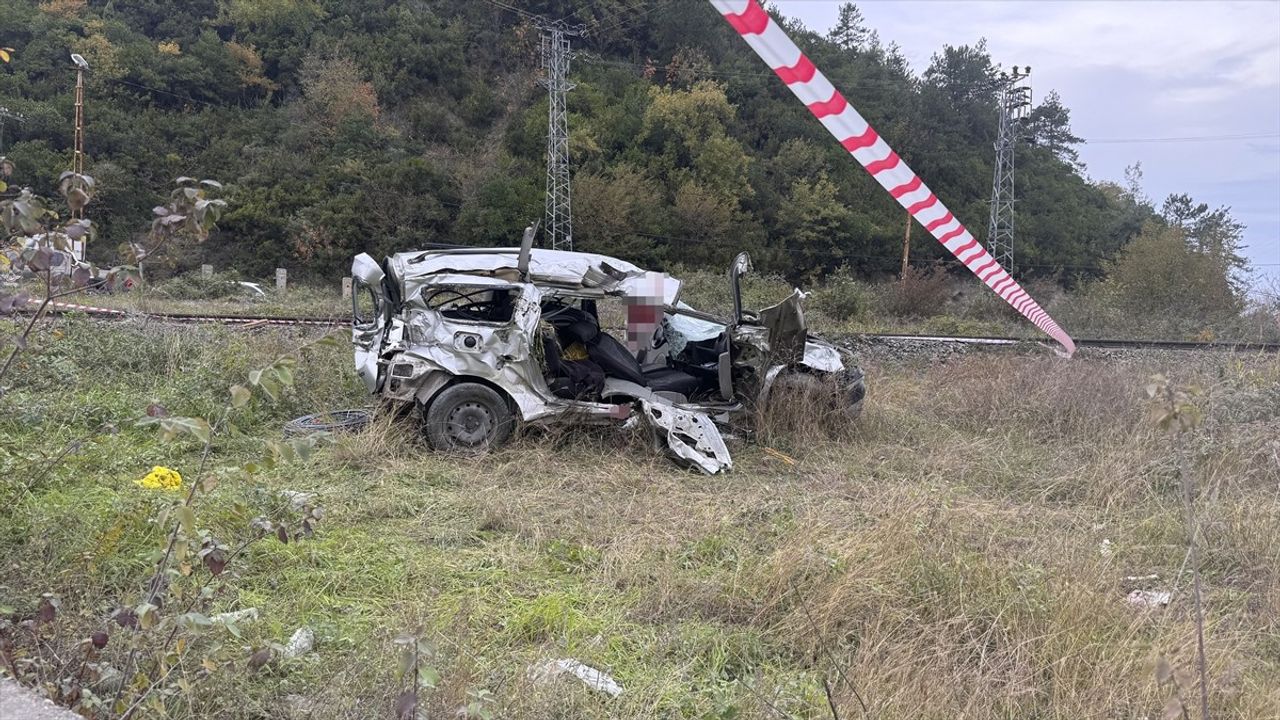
[
  {"x": 1049, "y": 126},
  {"x": 815, "y": 227},
  {"x": 1214, "y": 233},
  {"x": 850, "y": 31},
  {"x": 1162, "y": 283}
]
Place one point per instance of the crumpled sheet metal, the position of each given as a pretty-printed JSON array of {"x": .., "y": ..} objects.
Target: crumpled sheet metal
[
  {"x": 546, "y": 267},
  {"x": 689, "y": 435}
]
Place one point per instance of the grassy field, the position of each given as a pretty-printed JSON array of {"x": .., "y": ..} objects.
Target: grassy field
[{"x": 965, "y": 550}]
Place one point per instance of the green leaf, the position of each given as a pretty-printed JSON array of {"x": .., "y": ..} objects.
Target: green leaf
[
  {"x": 240, "y": 396},
  {"x": 197, "y": 427},
  {"x": 270, "y": 387},
  {"x": 195, "y": 620},
  {"x": 187, "y": 518},
  {"x": 147, "y": 615}
]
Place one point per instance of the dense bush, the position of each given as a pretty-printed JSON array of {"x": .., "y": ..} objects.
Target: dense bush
[
  {"x": 920, "y": 292},
  {"x": 841, "y": 296},
  {"x": 198, "y": 286},
  {"x": 1163, "y": 285}
]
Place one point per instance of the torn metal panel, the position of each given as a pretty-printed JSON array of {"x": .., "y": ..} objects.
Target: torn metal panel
[
  {"x": 822, "y": 357},
  {"x": 787, "y": 329},
  {"x": 368, "y": 323},
  {"x": 689, "y": 435}
]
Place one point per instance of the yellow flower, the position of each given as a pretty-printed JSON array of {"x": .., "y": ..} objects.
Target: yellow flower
[{"x": 160, "y": 478}]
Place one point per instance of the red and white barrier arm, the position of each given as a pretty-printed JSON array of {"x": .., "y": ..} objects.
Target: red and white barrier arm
[{"x": 826, "y": 103}]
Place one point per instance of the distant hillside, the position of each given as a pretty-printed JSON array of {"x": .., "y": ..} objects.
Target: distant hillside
[{"x": 370, "y": 125}]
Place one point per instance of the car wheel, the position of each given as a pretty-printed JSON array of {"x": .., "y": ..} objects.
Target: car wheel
[{"x": 468, "y": 418}]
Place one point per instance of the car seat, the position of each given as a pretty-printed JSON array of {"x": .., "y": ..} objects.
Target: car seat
[{"x": 613, "y": 357}]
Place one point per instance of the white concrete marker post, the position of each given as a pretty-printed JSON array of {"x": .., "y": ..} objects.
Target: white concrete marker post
[
  {"x": 346, "y": 288},
  {"x": 206, "y": 271},
  {"x": 282, "y": 279}
]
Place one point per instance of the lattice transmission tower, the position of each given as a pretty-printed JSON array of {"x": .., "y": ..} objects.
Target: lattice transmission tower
[
  {"x": 555, "y": 66},
  {"x": 1013, "y": 95}
]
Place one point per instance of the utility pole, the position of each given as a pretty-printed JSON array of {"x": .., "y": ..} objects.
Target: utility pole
[
  {"x": 1014, "y": 101},
  {"x": 555, "y": 66},
  {"x": 906, "y": 248},
  {"x": 77, "y": 157},
  {"x": 7, "y": 114}
]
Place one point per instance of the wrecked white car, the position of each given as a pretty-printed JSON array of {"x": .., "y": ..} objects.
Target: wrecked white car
[{"x": 480, "y": 339}]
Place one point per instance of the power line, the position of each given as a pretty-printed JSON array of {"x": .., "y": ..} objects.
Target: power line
[
  {"x": 874, "y": 84},
  {"x": 164, "y": 92},
  {"x": 625, "y": 20},
  {"x": 866, "y": 84},
  {"x": 895, "y": 259},
  {"x": 1192, "y": 138},
  {"x": 522, "y": 13}
]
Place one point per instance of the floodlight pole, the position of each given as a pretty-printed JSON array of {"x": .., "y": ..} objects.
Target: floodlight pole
[{"x": 77, "y": 159}]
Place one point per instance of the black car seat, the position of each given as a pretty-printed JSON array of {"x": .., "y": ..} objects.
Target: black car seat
[
  {"x": 574, "y": 325},
  {"x": 570, "y": 379}
]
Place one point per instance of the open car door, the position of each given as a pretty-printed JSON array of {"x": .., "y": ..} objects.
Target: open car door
[
  {"x": 369, "y": 317},
  {"x": 784, "y": 321}
]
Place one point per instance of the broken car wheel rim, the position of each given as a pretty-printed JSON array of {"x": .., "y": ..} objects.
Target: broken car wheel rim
[{"x": 469, "y": 425}]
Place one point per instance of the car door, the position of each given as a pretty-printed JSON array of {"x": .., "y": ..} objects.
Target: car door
[{"x": 368, "y": 318}]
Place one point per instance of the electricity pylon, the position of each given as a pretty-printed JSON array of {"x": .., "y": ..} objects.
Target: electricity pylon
[
  {"x": 555, "y": 66},
  {"x": 1014, "y": 101}
]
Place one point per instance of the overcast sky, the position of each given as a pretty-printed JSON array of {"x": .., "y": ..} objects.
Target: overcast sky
[{"x": 1130, "y": 70}]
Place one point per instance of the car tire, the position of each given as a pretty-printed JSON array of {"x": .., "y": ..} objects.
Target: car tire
[{"x": 468, "y": 418}]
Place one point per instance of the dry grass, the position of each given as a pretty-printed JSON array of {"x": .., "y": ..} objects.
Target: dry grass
[{"x": 946, "y": 553}]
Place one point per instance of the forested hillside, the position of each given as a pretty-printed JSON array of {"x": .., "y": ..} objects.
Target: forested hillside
[{"x": 340, "y": 126}]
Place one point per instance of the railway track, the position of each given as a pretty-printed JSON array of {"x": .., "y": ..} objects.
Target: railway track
[{"x": 252, "y": 321}]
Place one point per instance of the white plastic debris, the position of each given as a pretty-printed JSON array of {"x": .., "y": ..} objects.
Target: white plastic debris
[
  {"x": 591, "y": 677},
  {"x": 1104, "y": 548},
  {"x": 1141, "y": 578},
  {"x": 301, "y": 643},
  {"x": 1149, "y": 598},
  {"x": 237, "y": 616}
]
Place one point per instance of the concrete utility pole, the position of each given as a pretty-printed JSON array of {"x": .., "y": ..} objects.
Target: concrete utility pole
[
  {"x": 555, "y": 66},
  {"x": 1014, "y": 101}
]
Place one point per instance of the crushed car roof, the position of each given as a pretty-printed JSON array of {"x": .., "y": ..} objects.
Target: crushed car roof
[{"x": 560, "y": 268}]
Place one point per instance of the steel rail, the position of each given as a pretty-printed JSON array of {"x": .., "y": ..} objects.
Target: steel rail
[{"x": 998, "y": 341}]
